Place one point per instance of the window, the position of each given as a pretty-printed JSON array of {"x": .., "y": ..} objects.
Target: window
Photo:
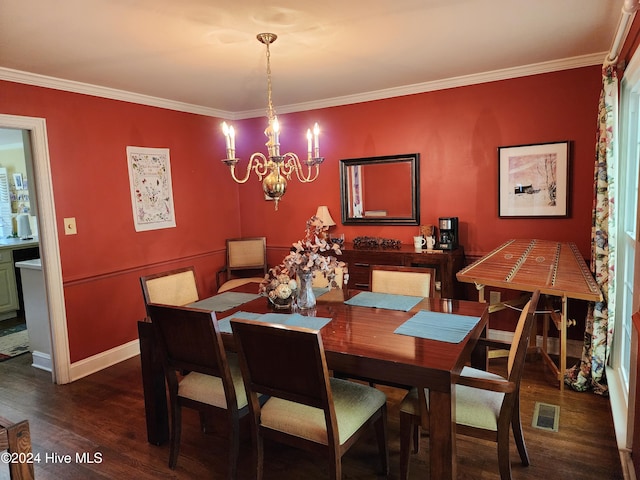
[{"x": 627, "y": 178}]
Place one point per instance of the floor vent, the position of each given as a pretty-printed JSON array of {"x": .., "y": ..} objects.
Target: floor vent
[{"x": 546, "y": 417}]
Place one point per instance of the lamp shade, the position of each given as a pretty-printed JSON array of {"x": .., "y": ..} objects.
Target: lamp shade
[{"x": 324, "y": 215}]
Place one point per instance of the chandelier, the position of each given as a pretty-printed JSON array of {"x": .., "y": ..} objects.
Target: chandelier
[{"x": 274, "y": 170}]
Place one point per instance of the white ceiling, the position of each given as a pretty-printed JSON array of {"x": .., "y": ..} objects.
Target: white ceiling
[{"x": 205, "y": 52}]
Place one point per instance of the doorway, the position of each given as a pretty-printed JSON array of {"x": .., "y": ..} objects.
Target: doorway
[{"x": 48, "y": 236}]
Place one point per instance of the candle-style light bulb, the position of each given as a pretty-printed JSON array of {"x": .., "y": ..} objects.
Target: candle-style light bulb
[
  {"x": 225, "y": 131},
  {"x": 232, "y": 137},
  {"x": 316, "y": 135},
  {"x": 309, "y": 146}
]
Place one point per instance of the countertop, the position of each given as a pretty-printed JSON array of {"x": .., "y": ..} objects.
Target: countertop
[
  {"x": 13, "y": 243},
  {"x": 34, "y": 264}
]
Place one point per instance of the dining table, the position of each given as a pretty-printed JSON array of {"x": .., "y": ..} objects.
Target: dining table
[{"x": 396, "y": 340}]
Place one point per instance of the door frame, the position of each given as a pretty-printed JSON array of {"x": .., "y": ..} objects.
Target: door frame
[{"x": 49, "y": 246}]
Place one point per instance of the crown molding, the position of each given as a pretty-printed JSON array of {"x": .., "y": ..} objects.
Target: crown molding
[
  {"x": 106, "y": 92},
  {"x": 461, "y": 81},
  {"x": 453, "y": 82}
]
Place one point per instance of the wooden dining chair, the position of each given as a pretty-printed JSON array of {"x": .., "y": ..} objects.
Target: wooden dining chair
[
  {"x": 246, "y": 262},
  {"x": 399, "y": 280},
  {"x": 320, "y": 281},
  {"x": 307, "y": 408},
  {"x": 173, "y": 287},
  {"x": 15, "y": 439},
  {"x": 487, "y": 404},
  {"x": 189, "y": 340}
]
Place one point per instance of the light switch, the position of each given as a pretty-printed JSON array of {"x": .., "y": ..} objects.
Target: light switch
[{"x": 70, "y": 226}]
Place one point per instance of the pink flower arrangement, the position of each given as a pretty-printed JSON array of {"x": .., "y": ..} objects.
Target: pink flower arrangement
[{"x": 307, "y": 256}]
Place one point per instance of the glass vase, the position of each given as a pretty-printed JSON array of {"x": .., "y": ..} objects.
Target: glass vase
[
  {"x": 281, "y": 303},
  {"x": 306, "y": 299}
]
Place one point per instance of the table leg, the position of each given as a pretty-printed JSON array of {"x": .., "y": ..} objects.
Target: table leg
[
  {"x": 153, "y": 386},
  {"x": 480, "y": 289},
  {"x": 545, "y": 333},
  {"x": 563, "y": 341},
  {"x": 442, "y": 435},
  {"x": 560, "y": 321}
]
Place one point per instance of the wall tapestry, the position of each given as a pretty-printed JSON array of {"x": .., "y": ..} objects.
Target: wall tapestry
[{"x": 151, "y": 190}]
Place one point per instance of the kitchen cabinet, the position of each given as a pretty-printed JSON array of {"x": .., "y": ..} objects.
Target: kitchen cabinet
[
  {"x": 13, "y": 250},
  {"x": 8, "y": 288}
]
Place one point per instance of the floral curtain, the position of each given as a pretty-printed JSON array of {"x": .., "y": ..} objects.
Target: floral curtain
[{"x": 590, "y": 372}]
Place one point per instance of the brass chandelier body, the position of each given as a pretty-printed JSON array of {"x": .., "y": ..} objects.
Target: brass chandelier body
[{"x": 274, "y": 169}]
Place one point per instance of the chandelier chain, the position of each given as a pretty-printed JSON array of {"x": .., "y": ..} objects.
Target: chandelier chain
[{"x": 270, "y": 109}]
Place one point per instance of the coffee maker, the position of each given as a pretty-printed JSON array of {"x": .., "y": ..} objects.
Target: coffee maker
[{"x": 448, "y": 227}]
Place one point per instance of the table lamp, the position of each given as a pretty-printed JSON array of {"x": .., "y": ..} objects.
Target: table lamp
[{"x": 323, "y": 214}]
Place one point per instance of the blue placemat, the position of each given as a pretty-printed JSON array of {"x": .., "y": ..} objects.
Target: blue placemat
[
  {"x": 224, "y": 301},
  {"x": 292, "y": 319},
  {"x": 444, "y": 327},
  {"x": 384, "y": 300}
]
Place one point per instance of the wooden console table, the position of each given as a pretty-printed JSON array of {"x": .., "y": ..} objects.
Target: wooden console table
[{"x": 446, "y": 263}]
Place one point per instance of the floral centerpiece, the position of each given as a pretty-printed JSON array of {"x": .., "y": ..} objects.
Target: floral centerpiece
[
  {"x": 279, "y": 288},
  {"x": 308, "y": 258}
]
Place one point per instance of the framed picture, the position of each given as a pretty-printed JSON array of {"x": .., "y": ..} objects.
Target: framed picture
[
  {"x": 533, "y": 180},
  {"x": 17, "y": 181},
  {"x": 151, "y": 188}
]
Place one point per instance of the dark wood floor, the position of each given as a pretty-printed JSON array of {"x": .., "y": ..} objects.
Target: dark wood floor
[{"x": 103, "y": 415}]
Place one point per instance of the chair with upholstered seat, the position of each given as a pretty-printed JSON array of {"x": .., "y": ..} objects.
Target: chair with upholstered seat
[
  {"x": 246, "y": 262},
  {"x": 487, "y": 404},
  {"x": 306, "y": 408},
  {"x": 189, "y": 340},
  {"x": 335, "y": 286},
  {"x": 320, "y": 281},
  {"x": 399, "y": 280},
  {"x": 173, "y": 287}
]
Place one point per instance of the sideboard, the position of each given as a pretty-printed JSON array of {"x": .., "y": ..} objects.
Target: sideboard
[{"x": 446, "y": 263}]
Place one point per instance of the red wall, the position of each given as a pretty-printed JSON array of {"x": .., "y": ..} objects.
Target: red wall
[
  {"x": 101, "y": 265},
  {"x": 456, "y": 132}
]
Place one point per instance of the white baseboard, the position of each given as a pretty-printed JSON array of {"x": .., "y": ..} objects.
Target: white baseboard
[
  {"x": 619, "y": 401},
  {"x": 41, "y": 361},
  {"x": 103, "y": 360}
]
